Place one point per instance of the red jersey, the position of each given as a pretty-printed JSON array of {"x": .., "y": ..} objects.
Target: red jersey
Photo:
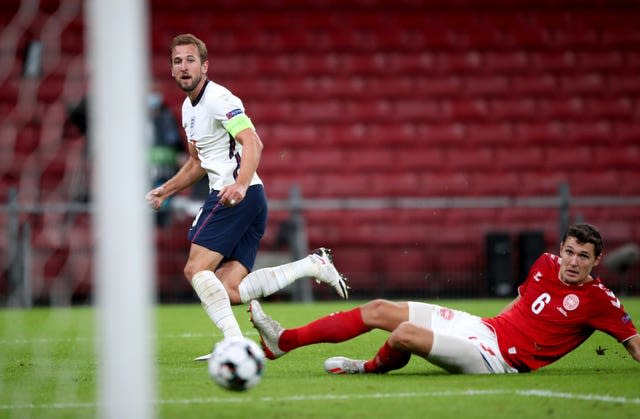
[{"x": 552, "y": 318}]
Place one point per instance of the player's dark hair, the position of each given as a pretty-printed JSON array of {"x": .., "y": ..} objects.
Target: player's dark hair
[
  {"x": 585, "y": 233},
  {"x": 189, "y": 39}
]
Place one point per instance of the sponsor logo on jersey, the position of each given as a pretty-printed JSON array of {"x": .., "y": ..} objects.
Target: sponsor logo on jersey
[
  {"x": 626, "y": 318},
  {"x": 571, "y": 302},
  {"x": 233, "y": 113}
]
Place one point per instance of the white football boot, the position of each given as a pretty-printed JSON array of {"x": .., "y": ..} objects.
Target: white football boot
[
  {"x": 269, "y": 330},
  {"x": 203, "y": 357},
  {"x": 342, "y": 365},
  {"x": 328, "y": 273}
]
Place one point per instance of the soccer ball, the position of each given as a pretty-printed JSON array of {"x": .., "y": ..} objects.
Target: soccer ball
[{"x": 237, "y": 363}]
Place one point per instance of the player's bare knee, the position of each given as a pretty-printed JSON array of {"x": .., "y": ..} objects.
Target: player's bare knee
[
  {"x": 401, "y": 336},
  {"x": 411, "y": 338},
  {"x": 374, "y": 311},
  {"x": 188, "y": 273}
]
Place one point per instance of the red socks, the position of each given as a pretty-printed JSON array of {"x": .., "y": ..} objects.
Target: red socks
[
  {"x": 336, "y": 327},
  {"x": 387, "y": 359}
]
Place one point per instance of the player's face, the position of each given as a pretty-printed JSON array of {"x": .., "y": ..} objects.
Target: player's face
[
  {"x": 186, "y": 68},
  {"x": 577, "y": 261}
]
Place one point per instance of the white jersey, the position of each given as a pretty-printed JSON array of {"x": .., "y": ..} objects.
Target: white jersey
[{"x": 210, "y": 124}]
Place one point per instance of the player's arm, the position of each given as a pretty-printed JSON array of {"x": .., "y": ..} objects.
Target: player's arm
[
  {"x": 189, "y": 173},
  {"x": 633, "y": 346},
  {"x": 251, "y": 153}
]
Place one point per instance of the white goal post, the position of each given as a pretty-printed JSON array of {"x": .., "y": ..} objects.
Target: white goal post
[{"x": 118, "y": 52}]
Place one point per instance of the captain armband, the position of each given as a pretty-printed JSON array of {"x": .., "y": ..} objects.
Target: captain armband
[{"x": 238, "y": 123}]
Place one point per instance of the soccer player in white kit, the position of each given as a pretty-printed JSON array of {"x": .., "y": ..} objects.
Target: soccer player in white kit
[
  {"x": 225, "y": 235},
  {"x": 560, "y": 304}
]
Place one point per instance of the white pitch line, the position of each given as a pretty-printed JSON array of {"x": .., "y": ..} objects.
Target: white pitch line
[
  {"x": 320, "y": 397},
  {"x": 90, "y": 339}
]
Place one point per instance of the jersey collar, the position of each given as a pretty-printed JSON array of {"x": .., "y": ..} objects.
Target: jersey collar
[{"x": 204, "y": 86}]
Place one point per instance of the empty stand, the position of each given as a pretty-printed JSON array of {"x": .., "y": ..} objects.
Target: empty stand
[{"x": 386, "y": 100}]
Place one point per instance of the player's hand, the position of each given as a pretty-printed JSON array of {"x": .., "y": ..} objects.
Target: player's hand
[
  {"x": 231, "y": 195},
  {"x": 156, "y": 197}
]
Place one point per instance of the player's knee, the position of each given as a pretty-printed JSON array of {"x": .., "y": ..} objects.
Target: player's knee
[
  {"x": 401, "y": 336},
  {"x": 374, "y": 311},
  {"x": 189, "y": 272},
  {"x": 411, "y": 338}
]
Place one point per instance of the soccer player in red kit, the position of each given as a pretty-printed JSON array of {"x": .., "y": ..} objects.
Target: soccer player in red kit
[{"x": 560, "y": 304}]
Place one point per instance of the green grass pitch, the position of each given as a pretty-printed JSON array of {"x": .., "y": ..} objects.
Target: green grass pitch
[{"x": 48, "y": 370}]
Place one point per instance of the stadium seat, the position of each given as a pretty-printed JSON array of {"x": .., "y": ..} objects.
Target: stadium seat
[
  {"x": 538, "y": 182},
  {"x": 624, "y": 83},
  {"x": 471, "y": 159},
  {"x": 551, "y": 108},
  {"x": 438, "y": 184},
  {"x": 542, "y": 84},
  {"x": 619, "y": 107},
  {"x": 512, "y": 62},
  {"x": 439, "y": 85},
  {"x": 589, "y": 182},
  {"x": 582, "y": 83},
  {"x": 519, "y": 158},
  {"x": 557, "y": 61},
  {"x": 495, "y": 183},
  {"x": 496, "y": 133},
  {"x": 493, "y": 85},
  {"x": 538, "y": 133},
  {"x": 562, "y": 157},
  {"x": 626, "y": 132},
  {"x": 588, "y": 132}
]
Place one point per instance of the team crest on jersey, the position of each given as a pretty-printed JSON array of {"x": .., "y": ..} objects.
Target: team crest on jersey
[
  {"x": 192, "y": 125},
  {"x": 446, "y": 313},
  {"x": 571, "y": 302}
]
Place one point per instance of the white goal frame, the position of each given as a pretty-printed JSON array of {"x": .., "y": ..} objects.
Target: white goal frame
[{"x": 118, "y": 57}]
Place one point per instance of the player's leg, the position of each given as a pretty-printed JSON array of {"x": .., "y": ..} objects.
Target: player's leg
[
  {"x": 453, "y": 340},
  {"x": 452, "y": 353},
  {"x": 409, "y": 322},
  {"x": 394, "y": 354},
  {"x": 336, "y": 327},
  {"x": 319, "y": 264},
  {"x": 210, "y": 290},
  {"x": 231, "y": 274},
  {"x": 384, "y": 314},
  {"x": 213, "y": 234},
  {"x": 457, "y": 355}
]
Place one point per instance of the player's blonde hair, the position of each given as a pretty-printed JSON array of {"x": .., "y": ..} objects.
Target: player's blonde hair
[{"x": 189, "y": 39}]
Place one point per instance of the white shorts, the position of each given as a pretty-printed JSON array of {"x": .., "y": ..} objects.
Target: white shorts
[{"x": 462, "y": 343}]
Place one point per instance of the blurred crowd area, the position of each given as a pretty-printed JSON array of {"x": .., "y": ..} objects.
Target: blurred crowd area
[{"x": 437, "y": 145}]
